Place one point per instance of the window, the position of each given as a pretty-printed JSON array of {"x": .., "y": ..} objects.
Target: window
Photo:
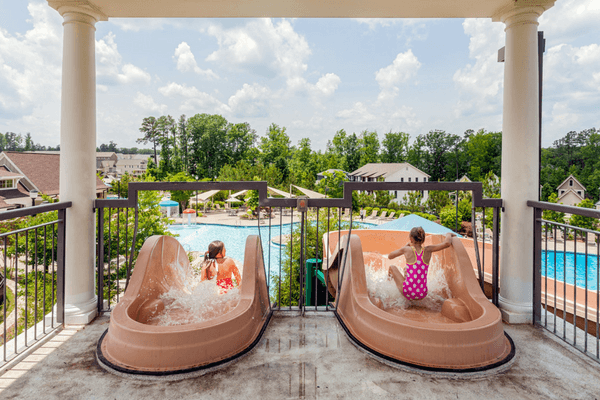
[
  {"x": 417, "y": 179},
  {"x": 562, "y": 192},
  {"x": 6, "y": 184},
  {"x": 571, "y": 182},
  {"x": 401, "y": 179},
  {"x": 424, "y": 179},
  {"x": 409, "y": 179},
  {"x": 579, "y": 192}
]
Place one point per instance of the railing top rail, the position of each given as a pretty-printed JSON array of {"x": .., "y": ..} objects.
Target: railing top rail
[
  {"x": 28, "y": 211},
  {"x": 593, "y": 232},
  {"x": 264, "y": 201},
  {"x": 585, "y": 212},
  {"x": 29, "y": 228}
]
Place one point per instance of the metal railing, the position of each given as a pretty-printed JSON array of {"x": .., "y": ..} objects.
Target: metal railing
[
  {"x": 297, "y": 281},
  {"x": 32, "y": 246},
  {"x": 566, "y": 280}
]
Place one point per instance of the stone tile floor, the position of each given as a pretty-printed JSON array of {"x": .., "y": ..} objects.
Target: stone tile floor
[{"x": 308, "y": 357}]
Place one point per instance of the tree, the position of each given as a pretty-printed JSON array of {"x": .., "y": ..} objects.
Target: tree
[
  {"x": 581, "y": 221},
  {"x": 436, "y": 201},
  {"x": 369, "y": 147},
  {"x": 395, "y": 147},
  {"x": 207, "y": 134},
  {"x": 332, "y": 184},
  {"x": 412, "y": 200},
  {"x": 150, "y": 130},
  {"x": 181, "y": 196}
]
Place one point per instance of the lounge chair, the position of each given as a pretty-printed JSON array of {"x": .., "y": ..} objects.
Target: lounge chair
[
  {"x": 383, "y": 214},
  {"x": 391, "y": 216},
  {"x": 374, "y": 214}
]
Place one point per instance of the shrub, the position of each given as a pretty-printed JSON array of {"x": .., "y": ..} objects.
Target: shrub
[
  {"x": 430, "y": 217},
  {"x": 368, "y": 211},
  {"x": 448, "y": 217}
]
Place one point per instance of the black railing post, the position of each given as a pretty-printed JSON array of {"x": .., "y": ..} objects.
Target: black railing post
[
  {"x": 60, "y": 267},
  {"x": 495, "y": 255},
  {"x": 537, "y": 265},
  {"x": 100, "y": 260}
]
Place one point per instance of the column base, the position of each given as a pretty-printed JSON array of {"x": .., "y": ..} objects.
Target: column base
[
  {"x": 81, "y": 314},
  {"x": 516, "y": 313}
]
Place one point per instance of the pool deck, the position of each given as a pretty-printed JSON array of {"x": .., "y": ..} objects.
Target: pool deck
[
  {"x": 304, "y": 357},
  {"x": 222, "y": 218}
]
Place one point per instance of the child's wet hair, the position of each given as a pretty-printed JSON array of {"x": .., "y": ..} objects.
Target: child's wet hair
[
  {"x": 417, "y": 234},
  {"x": 214, "y": 249}
]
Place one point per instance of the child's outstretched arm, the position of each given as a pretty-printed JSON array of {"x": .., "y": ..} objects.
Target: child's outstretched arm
[
  {"x": 397, "y": 253},
  {"x": 432, "y": 248}
]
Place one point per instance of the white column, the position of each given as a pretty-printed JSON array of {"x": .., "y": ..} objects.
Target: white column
[
  {"x": 520, "y": 161},
  {"x": 78, "y": 162}
]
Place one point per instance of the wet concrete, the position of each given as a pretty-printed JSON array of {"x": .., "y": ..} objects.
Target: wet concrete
[{"x": 308, "y": 357}]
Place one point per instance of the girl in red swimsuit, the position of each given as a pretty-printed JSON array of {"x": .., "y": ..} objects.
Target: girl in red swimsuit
[
  {"x": 215, "y": 264},
  {"x": 413, "y": 284}
]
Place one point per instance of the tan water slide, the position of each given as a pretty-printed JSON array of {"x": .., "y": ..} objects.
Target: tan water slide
[
  {"x": 467, "y": 335},
  {"x": 133, "y": 345}
]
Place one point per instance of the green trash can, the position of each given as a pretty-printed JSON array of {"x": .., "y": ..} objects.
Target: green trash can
[{"x": 313, "y": 267}]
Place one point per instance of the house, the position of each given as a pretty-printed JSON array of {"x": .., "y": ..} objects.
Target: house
[
  {"x": 25, "y": 174},
  {"x": 133, "y": 164},
  {"x": 571, "y": 191},
  {"x": 390, "y": 172},
  {"x": 464, "y": 178},
  {"x": 321, "y": 175}
]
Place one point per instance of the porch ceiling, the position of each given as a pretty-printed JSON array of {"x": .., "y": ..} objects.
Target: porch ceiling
[{"x": 295, "y": 8}]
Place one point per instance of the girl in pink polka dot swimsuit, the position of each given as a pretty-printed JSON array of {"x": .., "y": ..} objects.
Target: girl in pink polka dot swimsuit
[{"x": 413, "y": 285}]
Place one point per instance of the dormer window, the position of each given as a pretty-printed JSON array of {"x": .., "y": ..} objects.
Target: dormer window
[
  {"x": 571, "y": 182},
  {"x": 579, "y": 192},
  {"x": 417, "y": 179},
  {"x": 7, "y": 184},
  {"x": 409, "y": 179}
]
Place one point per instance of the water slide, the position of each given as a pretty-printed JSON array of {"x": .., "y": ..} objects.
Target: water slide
[
  {"x": 133, "y": 344},
  {"x": 465, "y": 335}
]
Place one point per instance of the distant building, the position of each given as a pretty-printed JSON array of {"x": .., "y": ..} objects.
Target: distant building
[
  {"x": 571, "y": 191},
  {"x": 464, "y": 178},
  {"x": 22, "y": 173},
  {"x": 390, "y": 172},
  {"x": 321, "y": 175}
]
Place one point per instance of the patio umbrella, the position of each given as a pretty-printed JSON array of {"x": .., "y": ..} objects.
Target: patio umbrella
[{"x": 310, "y": 193}]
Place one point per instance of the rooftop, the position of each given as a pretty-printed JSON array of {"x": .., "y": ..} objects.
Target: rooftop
[{"x": 306, "y": 357}]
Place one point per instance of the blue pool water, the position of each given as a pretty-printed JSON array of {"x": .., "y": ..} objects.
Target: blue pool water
[
  {"x": 198, "y": 237},
  {"x": 548, "y": 267}
]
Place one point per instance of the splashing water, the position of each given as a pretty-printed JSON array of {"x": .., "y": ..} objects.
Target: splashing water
[
  {"x": 381, "y": 286},
  {"x": 197, "y": 301}
]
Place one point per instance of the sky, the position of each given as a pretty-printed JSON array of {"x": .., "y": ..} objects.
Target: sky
[{"x": 312, "y": 76}]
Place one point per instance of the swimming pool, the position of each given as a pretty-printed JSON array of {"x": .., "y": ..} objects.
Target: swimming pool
[
  {"x": 548, "y": 259},
  {"x": 198, "y": 237}
]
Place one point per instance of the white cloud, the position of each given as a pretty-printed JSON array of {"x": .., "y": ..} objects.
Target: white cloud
[
  {"x": 263, "y": 48},
  {"x": 358, "y": 115},
  {"x": 479, "y": 84},
  {"x": 570, "y": 19},
  {"x": 193, "y": 100},
  {"x": 327, "y": 85},
  {"x": 401, "y": 70},
  {"x": 109, "y": 68},
  {"x": 147, "y": 103},
  {"x": 187, "y": 62},
  {"x": 30, "y": 63},
  {"x": 250, "y": 101}
]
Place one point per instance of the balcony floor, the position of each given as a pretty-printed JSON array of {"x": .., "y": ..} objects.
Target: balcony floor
[{"x": 306, "y": 357}]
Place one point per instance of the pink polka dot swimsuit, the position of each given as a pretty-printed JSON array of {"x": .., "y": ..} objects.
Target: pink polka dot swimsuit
[{"x": 415, "y": 283}]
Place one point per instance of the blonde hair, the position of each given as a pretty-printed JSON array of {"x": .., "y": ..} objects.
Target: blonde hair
[{"x": 417, "y": 234}]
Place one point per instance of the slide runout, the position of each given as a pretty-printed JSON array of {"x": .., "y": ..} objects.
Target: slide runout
[
  {"x": 132, "y": 345},
  {"x": 472, "y": 337}
]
